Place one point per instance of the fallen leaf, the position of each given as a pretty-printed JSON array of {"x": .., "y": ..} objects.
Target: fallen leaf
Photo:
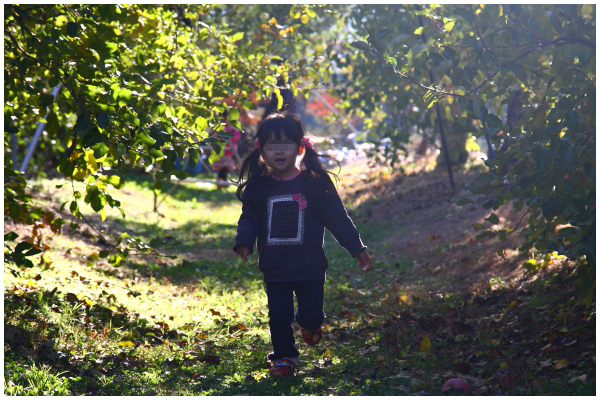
[
  {"x": 213, "y": 312},
  {"x": 508, "y": 379},
  {"x": 513, "y": 304},
  {"x": 581, "y": 378},
  {"x": 503, "y": 365},
  {"x": 495, "y": 342},
  {"x": 456, "y": 386},
  {"x": 196, "y": 375},
  {"x": 242, "y": 327},
  {"x": 437, "y": 270},
  {"x": 459, "y": 337},
  {"x": 327, "y": 353},
  {"x": 560, "y": 364},
  {"x": 425, "y": 344},
  {"x": 404, "y": 298},
  {"x": 380, "y": 358},
  {"x": 126, "y": 343}
]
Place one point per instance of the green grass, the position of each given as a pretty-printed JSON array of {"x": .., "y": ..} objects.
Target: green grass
[{"x": 198, "y": 324}]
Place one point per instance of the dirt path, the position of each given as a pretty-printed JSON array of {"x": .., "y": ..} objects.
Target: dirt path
[{"x": 435, "y": 233}]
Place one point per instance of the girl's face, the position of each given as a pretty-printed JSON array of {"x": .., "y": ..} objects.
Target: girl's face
[{"x": 280, "y": 154}]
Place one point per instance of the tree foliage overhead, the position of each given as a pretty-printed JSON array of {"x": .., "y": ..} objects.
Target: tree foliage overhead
[
  {"x": 522, "y": 75},
  {"x": 139, "y": 85}
]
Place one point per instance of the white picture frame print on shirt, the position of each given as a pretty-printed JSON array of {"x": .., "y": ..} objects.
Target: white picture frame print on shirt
[{"x": 285, "y": 223}]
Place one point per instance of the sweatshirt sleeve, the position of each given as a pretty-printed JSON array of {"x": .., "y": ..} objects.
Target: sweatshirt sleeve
[
  {"x": 248, "y": 226},
  {"x": 335, "y": 218}
]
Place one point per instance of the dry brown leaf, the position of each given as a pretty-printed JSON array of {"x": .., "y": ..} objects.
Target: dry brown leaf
[{"x": 560, "y": 364}]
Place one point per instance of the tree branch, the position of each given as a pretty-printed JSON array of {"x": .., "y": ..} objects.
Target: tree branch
[
  {"x": 477, "y": 27},
  {"x": 413, "y": 80},
  {"x": 547, "y": 43}
]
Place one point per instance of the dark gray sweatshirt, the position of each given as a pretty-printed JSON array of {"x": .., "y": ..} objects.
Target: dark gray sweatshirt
[{"x": 291, "y": 243}]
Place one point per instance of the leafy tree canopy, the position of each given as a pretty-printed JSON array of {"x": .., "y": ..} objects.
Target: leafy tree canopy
[
  {"x": 522, "y": 75},
  {"x": 139, "y": 85}
]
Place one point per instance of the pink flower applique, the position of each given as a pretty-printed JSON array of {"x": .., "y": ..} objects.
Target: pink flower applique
[{"x": 298, "y": 197}]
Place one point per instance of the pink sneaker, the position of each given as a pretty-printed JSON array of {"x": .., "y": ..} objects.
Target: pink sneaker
[
  {"x": 312, "y": 338},
  {"x": 282, "y": 367}
]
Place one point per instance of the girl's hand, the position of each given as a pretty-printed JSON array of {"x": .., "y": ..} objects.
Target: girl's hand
[
  {"x": 365, "y": 262},
  {"x": 243, "y": 251}
]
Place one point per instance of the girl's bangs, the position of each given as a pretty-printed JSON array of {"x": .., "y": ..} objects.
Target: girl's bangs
[{"x": 277, "y": 126}]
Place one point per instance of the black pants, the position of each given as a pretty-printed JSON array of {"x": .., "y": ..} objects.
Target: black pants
[{"x": 310, "y": 314}]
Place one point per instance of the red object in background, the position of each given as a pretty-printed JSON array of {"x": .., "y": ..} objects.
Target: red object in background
[{"x": 318, "y": 108}]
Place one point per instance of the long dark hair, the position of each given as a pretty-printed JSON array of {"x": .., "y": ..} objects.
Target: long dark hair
[{"x": 253, "y": 167}]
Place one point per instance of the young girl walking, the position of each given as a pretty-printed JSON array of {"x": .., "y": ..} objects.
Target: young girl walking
[{"x": 287, "y": 205}]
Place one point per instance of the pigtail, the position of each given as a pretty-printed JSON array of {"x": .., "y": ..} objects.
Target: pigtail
[
  {"x": 251, "y": 170},
  {"x": 316, "y": 170}
]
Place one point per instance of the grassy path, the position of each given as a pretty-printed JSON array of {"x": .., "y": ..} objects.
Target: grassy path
[{"x": 198, "y": 325}]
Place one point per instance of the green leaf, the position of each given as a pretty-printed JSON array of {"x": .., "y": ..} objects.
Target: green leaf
[
  {"x": 111, "y": 47},
  {"x": 491, "y": 131},
  {"x": 52, "y": 124},
  {"x": 23, "y": 246},
  {"x": 464, "y": 13},
  {"x": 103, "y": 120},
  {"x": 493, "y": 121},
  {"x": 10, "y": 236},
  {"x": 234, "y": 114},
  {"x": 449, "y": 53},
  {"x": 415, "y": 52},
  {"x": 72, "y": 29},
  {"x": 45, "y": 100},
  {"x": 145, "y": 139},
  {"x": 237, "y": 36},
  {"x": 485, "y": 177},
  {"x": 493, "y": 219},
  {"x": 381, "y": 34},
  {"x": 398, "y": 41},
  {"x": 114, "y": 180},
  {"x": 567, "y": 231},
  {"x": 549, "y": 209},
  {"x": 194, "y": 157},
  {"x": 484, "y": 234},
  {"x": 392, "y": 61},
  {"x": 156, "y": 242},
  {"x": 361, "y": 45},
  {"x": 32, "y": 252},
  {"x": 464, "y": 201}
]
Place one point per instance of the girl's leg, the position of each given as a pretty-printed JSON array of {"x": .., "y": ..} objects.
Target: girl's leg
[
  {"x": 310, "y": 315},
  {"x": 281, "y": 316}
]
